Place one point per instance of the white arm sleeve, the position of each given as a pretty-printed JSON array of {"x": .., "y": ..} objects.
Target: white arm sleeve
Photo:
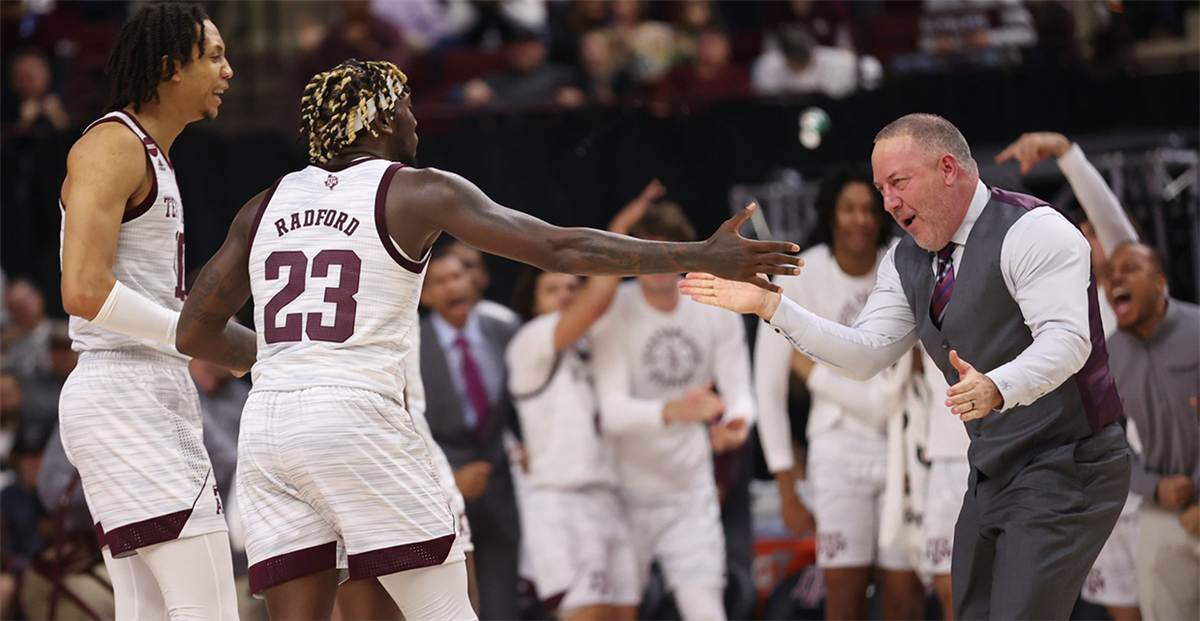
[
  {"x": 772, "y": 369},
  {"x": 1047, "y": 267},
  {"x": 885, "y": 329},
  {"x": 1103, "y": 209},
  {"x": 731, "y": 366},
  {"x": 129, "y": 312}
]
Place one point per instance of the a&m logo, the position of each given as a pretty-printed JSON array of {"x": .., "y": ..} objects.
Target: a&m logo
[
  {"x": 331, "y": 182},
  {"x": 172, "y": 206}
]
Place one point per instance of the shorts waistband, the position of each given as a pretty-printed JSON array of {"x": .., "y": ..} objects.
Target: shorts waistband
[{"x": 142, "y": 356}]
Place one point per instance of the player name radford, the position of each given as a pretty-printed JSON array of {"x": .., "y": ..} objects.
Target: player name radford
[{"x": 331, "y": 218}]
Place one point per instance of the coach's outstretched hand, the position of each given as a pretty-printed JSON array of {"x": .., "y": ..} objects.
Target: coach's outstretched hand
[
  {"x": 739, "y": 297},
  {"x": 731, "y": 256}
]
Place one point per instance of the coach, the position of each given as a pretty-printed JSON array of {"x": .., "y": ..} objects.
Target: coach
[{"x": 998, "y": 287}]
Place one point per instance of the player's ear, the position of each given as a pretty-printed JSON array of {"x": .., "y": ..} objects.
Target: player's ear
[
  {"x": 167, "y": 65},
  {"x": 384, "y": 122}
]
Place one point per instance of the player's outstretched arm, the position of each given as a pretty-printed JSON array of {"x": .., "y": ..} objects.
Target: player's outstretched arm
[
  {"x": 439, "y": 201},
  {"x": 205, "y": 331}
]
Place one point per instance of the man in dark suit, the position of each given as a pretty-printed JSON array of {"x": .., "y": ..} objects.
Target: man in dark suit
[
  {"x": 1004, "y": 281},
  {"x": 462, "y": 364}
]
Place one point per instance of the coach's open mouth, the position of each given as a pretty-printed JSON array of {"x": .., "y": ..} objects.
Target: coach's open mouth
[{"x": 1122, "y": 300}]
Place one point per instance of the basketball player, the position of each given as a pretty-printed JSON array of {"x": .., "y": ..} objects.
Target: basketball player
[
  {"x": 847, "y": 423},
  {"x": 582, "y": 555},
  {"x": 656, "y": 357},
  {"x": 334, "y": 255},
  {"x": 129, "y": 413}
]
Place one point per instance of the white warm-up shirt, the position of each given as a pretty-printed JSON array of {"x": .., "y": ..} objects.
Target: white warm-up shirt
[
  {"x": 554, "y": 397},
  {"x": 860, "y": 407},
  {"x": 643, "y": 358}
]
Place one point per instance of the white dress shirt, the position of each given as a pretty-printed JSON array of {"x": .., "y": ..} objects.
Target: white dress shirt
[
  {"x": 1046, "y": 265},
  {"x": 489, "y": 362}
]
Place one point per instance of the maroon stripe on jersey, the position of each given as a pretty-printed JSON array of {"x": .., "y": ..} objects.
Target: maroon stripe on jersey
[
  {"x": 400, "y": 558},
  {"x": 262, "y": 208},
  {"x": 139, "y": 126},
  {"x": 292, "y": 565},
  {"x": 107, "y": 119},
  {"x": 381, "y": 223},
  {"x": 551, "y": 604},
  {"x": 146, "y": 204},
  {"x": 344, "y": 166},
  {"x": 123, "y": 540}
]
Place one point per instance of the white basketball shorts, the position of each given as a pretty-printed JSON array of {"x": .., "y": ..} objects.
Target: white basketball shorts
[
  {"x": 683, "y": 533},
  {"x": 332, "y": 470},
  {"x": 581, "y": 549},
  {"x": 130, "y": 422},
  {"x": 947, "y": 487},
  {"x": 1113, "y": 579}
]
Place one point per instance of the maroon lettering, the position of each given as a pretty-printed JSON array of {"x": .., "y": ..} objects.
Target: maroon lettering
[
  {"x": 295, "y": 221},
  {"x": 341, "y": 296},
  {"x": 281, "y": 227},
  {"x": 309, "y": 215},
  {"x": 341, "y": 219},
  {"x": 353, "y": 226}
]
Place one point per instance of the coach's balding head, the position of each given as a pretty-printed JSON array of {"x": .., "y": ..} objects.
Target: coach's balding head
[{"x": 923, "y": 167}]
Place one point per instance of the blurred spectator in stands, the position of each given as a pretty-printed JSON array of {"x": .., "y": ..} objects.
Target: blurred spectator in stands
[
  {"x": 971, "y": 34},
  {"x": 570, "y": 21},
  {"x": 35, "y": 109},
  {"x": 828, "y": 21},
  {"x": 422, "y": 22},
  {"x": 529, "y": 79},
  {"x": 11, "y": 401},
  {"x": 796, "y": 64},
  {"x": 21, "y": 513},
  {"x": 695, "y": 18},
  {"x": 646, "y": 47},
  {"x": 41, "y": 390},
  {"x": 25, "y": 340},
  {"x": 475, "y": 264},
  {"x": 359, "y": 34},
  {"x": 599, "y": 80},
  {"x": 710, "y": 76},
  {"x": 492, "y": 23}
]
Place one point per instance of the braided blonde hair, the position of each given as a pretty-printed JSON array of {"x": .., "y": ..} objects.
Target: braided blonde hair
[{"x": 338, "y": 103}]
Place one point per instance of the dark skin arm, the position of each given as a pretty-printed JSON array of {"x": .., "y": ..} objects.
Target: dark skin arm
[
  {"x": 223, "y": 287},
  {"x": 422, "y": 203}
]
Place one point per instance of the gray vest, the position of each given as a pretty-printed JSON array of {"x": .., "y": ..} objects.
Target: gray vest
[{"x": 985, "y": 325}]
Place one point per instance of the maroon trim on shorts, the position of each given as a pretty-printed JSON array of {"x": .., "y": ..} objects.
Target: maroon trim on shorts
[
  {"x": 262, "y": 208},
  {"x": 381, "y": 223},
  {"x": 292, "y": 565},
  {"x": 551, "y": 604},
  {"x": 123, "y": 540},
  {"x": 100, "y": 535},
  {"x": 400, "y": 558},
  {"x": 341, "y": 167},
  {"x": 139, "y": 126}
]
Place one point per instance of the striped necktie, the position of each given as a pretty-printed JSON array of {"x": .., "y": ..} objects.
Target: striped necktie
[{"x": 945, "y": 285}]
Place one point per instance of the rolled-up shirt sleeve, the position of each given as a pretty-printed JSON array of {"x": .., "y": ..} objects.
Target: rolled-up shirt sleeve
[
  {"x": 1046, "y": 264},
  {"x": 885, "y": 329}
]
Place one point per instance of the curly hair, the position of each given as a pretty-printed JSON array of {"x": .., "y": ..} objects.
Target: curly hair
[
  {"x": 171, "y": 29},
  {"x": 340, "y": 102},
  {"x": 831, "y": 188}
]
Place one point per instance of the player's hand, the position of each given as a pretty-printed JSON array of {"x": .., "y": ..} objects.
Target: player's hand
[
  {"x": 739, "y": 297},
  {"x": 631, "y": 213},
  {"x": 1175, "y": 492},
  {"x": 729, "y": 255},
  {"x": 1190, "y": 520},
  {"x": 796, "y": 517},
  {"x": 975, "y": 395},
  {"x": 728, "y": 436},
  {"x": 1032, "y": 148},
  {"x": 472, "y": 478},
  {"x": 699, "y": 405}
]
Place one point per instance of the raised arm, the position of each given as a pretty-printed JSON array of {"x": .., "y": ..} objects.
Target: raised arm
[
  {"x": 223, "y": 287},
  {"x": 423, "y": 203},
  {"x": 106, "y": 172},
  {"x": 1103, "y": 210}
]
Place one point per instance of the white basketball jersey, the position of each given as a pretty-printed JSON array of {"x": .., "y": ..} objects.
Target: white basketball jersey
[
  {"x": 334, "y": 296},
  {"x": 149, "y": 249}
]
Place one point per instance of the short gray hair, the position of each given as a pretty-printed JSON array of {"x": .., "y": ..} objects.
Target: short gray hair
[{"x": 934, "y": 134}]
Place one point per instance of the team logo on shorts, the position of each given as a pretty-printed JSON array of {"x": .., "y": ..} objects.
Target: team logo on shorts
[
  {"x": 829, "y": 545},
  {"x": 1095, "y": 583},
  {"x": 938, "y": 550},
  {"x": 331, "y": 181},
  {"x": 217, "y": 497},
  {"x": 671, "y": 356}
]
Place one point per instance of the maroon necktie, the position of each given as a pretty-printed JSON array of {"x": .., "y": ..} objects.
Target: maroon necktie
[
  {"x": 945, "y": 285},
  {"x": 473, "y": 381}
]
